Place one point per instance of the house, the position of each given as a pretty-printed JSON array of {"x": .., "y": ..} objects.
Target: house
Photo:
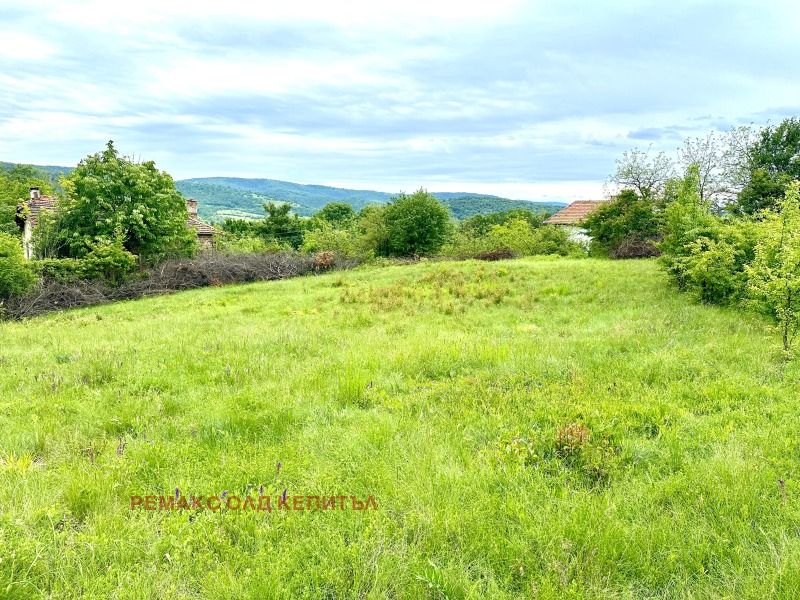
[
  {"x": 205, "y": 232},
  {"x": 28, "y": 218},
  {"x": 572, "y": 216}
]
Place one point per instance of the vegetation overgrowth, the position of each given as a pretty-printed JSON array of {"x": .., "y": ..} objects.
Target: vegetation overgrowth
[{"x": 547, "y": 428}]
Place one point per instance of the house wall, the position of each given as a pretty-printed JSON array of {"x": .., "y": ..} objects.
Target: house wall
[{"x": 27, "y": 239}]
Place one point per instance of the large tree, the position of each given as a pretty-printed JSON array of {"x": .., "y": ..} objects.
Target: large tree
[
  {"x": 416, "y": 224},
  {"x": 773, "y": 161},
  {"x": 110, "y": 197}
]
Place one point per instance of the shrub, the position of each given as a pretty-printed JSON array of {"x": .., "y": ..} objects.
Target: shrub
[
  {"x": 703, "y": 254},
  {"x": 416, "y": 225},
  {"x": 342, "y": 242},
  {"x": 500, "y": 254},
  {"x": 230, "y": 244},
  {"x": 109, "y": 261},
  {"x": 555, "y": 240},
  {"x": 774, "y": 275},
  {"x": 16, "y": 275},
  {"x": 635, "y": 248},
  {"x": 625, "y": 218}
]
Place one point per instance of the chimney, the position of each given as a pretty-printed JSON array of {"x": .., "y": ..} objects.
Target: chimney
[
  {"x": 35, "y": 193},
  {"x": 191, "y": 206}
]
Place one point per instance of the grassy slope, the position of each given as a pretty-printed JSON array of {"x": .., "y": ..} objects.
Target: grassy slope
[{"x": 438, "y": 388}]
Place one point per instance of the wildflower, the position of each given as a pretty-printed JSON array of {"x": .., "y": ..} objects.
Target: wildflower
[
  {"x": 177, "y": 493},
  {"x": 283, "y": 497},
  {"x": 224, "y": 493},
  {"x": 261, "y": 490},
  {"x": 279, "y": 466}
]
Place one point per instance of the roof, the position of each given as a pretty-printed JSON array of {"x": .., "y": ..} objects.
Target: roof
[
  {"x": 35, "y": 206},
  {"x": 200, "y": 227},
  {"x": 574, "y": 213},
  {"x": 48, "y": 203}
]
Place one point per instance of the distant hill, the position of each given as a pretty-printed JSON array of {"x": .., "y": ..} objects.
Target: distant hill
[
  {"x": 241, "y": 198},
  {"x": 53, "y": 173},
  {"x": 222, "y": 197}
]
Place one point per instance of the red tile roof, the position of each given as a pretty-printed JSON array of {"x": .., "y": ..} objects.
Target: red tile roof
[
  {"x": 203, "y": 229},
  {"x": 35, "y": 207},
  {"x": 49, "y": 203},
  {"x": 574, "y": 213}
]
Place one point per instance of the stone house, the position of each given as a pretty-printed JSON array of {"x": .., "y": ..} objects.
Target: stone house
[{"x": 28, "y": 218}]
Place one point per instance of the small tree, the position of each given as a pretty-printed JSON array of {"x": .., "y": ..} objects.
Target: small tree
[
  {"x": 774, "y": 274},
  {"x": 16, "y": 276},
  {"x": 416, "y": 224},
  {"x": 337, "y": 214},
  {"x": 636, "y": 170},
  {"x": 281, "y": 225}
]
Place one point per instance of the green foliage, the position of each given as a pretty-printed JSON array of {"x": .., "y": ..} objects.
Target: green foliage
[
  {"x": 230, "y": 244},
  {"x": 342, "y": 242},
  {"x": 109, "y": 197},
  {"x": 705, "y": 255},
  {"x": 371, "y": 227},
  {"x": 481, "y": 224},
  {"x": 336, "y": 214},
  {"x": 773, "y": 161},
  {"x": 626, "y": 217},
  {"x": 416, "y": 224},
  {"x": 467, "y": 206},
  {"x": 16, "y": 276},
  {"x": 281, "y": 225},
  {"x": 15, "y": 183},
  {"x": 107, "y": 262},
  {"x": 774, "y": 274}
]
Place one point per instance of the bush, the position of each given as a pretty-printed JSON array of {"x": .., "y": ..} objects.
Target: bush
[
  {"x": 229, "y": 245},
  {"x": 623, "y": 225},
  {"x": 16, "y": 275},
  {"x": 634, "y": 248},
  {"x": 500, "y": 254},
  {"x": 109, "y": 262},
  {"x": 703, "y": 254},
  {"x": 342, "y": 242},
  {"x": 416, "y": 225},
  {"x": 555, "y": 240},
  {"x": 170, "y": 276}
]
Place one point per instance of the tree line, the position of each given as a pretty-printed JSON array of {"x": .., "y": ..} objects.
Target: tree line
[{"x": 723, "y": 215}]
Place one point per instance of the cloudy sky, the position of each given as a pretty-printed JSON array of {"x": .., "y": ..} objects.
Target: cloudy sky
[{"x": 525, "y": 99}]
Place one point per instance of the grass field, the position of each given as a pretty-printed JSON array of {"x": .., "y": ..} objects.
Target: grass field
[{"x": 528, "y": 429}]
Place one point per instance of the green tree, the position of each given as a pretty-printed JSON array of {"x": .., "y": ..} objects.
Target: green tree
[
  {"x": 774, "y": 274},
  {"x": 773, "y": 161},
  {"x": 625, "y": 218},
  {"x": 416, "y": 224},
  {"x": 371, "y": 227},
  {"x": 281, "y": 225},
  {"x": 109, "y": 197},
  {"x": 337, "y": 214}
]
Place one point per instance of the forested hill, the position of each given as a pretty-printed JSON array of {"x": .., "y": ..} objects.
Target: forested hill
[
  {"x": 241, "y": 198},
  {"x": 222, "y": 197}
]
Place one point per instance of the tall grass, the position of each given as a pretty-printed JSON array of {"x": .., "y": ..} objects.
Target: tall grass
[{"x": 530, "y": 429}]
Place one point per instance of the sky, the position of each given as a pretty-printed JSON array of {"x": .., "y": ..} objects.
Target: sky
[{"x": 524, "y": 99}]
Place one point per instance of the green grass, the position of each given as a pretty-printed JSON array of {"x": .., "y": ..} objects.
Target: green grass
[{"x": 530, "y": 429}]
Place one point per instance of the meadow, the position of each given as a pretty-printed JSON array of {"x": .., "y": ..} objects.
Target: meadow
[{"x": 535, "y": 428}]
